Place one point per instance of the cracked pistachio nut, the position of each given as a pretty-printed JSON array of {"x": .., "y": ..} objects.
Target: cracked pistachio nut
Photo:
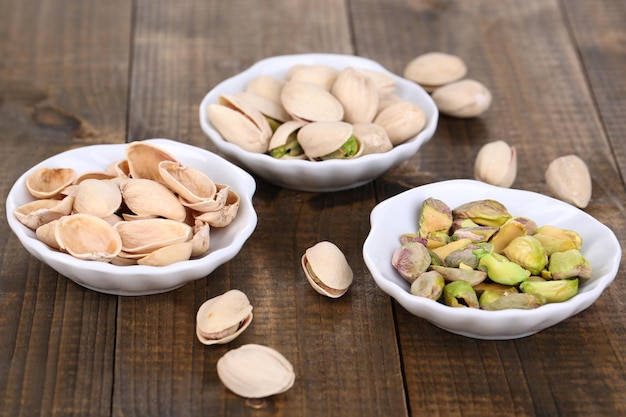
[
  {"x": 284, "y": 142},
  {"x": 569, "y": 180},
  {"x": 496, "y": 164},
  {"x": 327, "y": 269},
  {"x": 460, "y": 294},
  {"x": 410, "y": 260},
  {"x": 435, "y": 69},
  {"x": 255, "y": 371},
  {"x": 493, "y": 300},
  {"x": 499, "y": 269},
  {"x": 483, "y": 212},
  {"x": 221, "y": 319},
  {"x": 464, "y": 99},
  {"x": 554, "y": 291},
  {"x": 467, "y": 274},
  {"x": 527, "y": 252},
  {"x": 569, "y": 264},
  {"x": 435, "y": 216},
  {"x": 428, "y": 285},
  {"x": 556, "y": 239}
]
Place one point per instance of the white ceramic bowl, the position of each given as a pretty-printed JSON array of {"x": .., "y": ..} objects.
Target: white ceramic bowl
[
  {"x": 399, "y": 214},
  {"x": 137, "y": 279},
  {"x": 332, "y": 175}
]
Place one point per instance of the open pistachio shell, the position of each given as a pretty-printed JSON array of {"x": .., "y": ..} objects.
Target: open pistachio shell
[
  {"x": 101, "y": 198},
  {"x": 284, "y": 142},
  {"x": 266, "y": 106},
  {"x": 143, "y": 160},
  {"x": 255, "y": 371},
  {"x": 327, "y": 269},
  {"x": 147, "y": 235},
  {"x": 240, "y": 123},
  {"x": 39, "y": 212},
  {"x": 189, "y": 183},
  {"x": 48, "y": 182},
  {"x": 87, "y": 237},
  {"x": 221, "y": 319},
  {"x": 147, "y": 198}
]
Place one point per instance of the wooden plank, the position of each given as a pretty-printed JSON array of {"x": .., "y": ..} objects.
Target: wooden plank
[
  {"x": 523, "y": 52},
  {"x": 344, "y": 351},
  {"x": 598, "y": 29},
  {"x": 62, "y": 84}
]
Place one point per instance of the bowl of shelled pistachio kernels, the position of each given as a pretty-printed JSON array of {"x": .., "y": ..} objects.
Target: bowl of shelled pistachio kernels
[
  {"x": 489, "y": 262},
  {"x": 318, "y": 122}
]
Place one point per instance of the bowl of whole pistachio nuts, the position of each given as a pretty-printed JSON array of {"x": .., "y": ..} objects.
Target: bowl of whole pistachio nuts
[
  {"x": 489, "y": 262},
  {"x": 133, "y": 219},
  {"x": 318, "y": 122}
]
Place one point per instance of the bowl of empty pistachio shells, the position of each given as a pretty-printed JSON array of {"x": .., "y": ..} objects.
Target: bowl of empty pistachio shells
[
  {"x": 318, "y": 122},
  {"x": 489, "y": 262},
  {"x": 133, "y": 219}
]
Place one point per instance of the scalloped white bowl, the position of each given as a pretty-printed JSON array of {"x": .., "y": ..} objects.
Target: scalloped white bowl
[
  {"x": 399, "y": 214},
  {"x": 323, "y": 176},
  {"x": 104, "y": 277}
]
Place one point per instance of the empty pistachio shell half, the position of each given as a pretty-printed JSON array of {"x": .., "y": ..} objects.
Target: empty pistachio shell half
[
  {"x": 569, "y": 180},
  {"x": 221, "y": 319},
  {"x": 496, "y": 164},
  {"x": 465, "y": 98},
  {"x": 48, "y": 182},
  {"x": 434, "y": 69},
  {"x": 327, "y": 269},
  {"x": 255, "y": 371}
]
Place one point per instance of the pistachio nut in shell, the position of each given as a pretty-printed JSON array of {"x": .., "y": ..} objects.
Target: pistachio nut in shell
[
  {"x": 284, "y": 142},
  {"x": 358, "y": 94},
  {"x": 496, "y": 164},
  {"x": 327, "y": 269},
  {"x": 569, "y": 180},
  {"x": 255, "y": 371},
  {"x": 222, "y": 318},
  {"x": 464, "y": 99},
  {"x": 310, "y": 103},
  {"x": 401, "y": 120},
  {"x": 373, "y": 138},
  {"x": 266, "y": 86},
  {"x": 329, "y": 140},
  {"x": 240, "y": 123},
  {"x": 323, "y": 76},
  {"x": 434, "y": 69}
]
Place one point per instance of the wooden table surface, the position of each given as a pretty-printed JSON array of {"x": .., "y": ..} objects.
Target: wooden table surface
[{"x": 81, "y": 72}]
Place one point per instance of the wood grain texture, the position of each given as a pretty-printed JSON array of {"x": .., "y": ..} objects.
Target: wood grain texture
[
  {"x": 63, "y": 82},
  {"x": 73, "y": 73}
]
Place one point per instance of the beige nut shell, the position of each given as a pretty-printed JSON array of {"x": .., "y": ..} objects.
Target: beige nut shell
[
  {"x": 255, "y": 371},
  {"x": 222, "y": 318},
  {"x": 327, "y": 269}
]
